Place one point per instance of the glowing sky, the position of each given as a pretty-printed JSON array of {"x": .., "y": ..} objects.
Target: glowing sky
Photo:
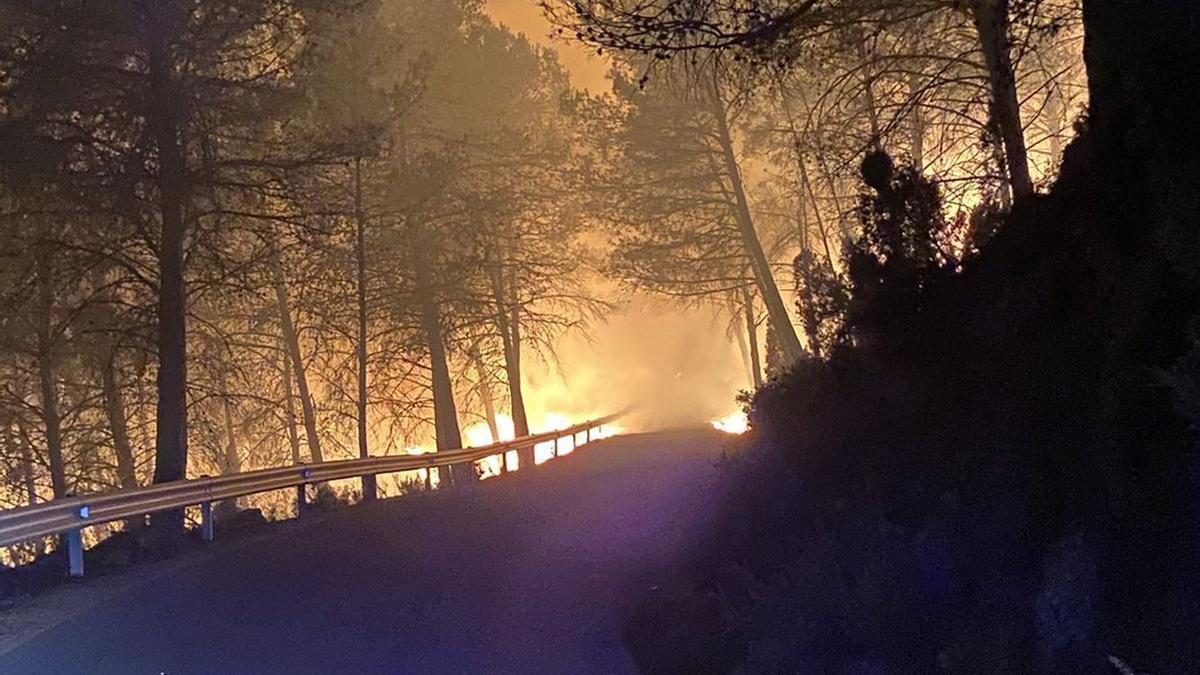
[{"x": 587, "y": 70}]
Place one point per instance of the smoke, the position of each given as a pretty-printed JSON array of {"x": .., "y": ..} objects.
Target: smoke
[{"x": 675, "y": 367}]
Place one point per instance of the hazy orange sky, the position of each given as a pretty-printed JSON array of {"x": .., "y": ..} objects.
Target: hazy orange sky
[{"x": 524, "y": 16}]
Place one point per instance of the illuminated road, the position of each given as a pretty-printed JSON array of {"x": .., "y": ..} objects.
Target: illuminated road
[{"x": 525, "y": 574}]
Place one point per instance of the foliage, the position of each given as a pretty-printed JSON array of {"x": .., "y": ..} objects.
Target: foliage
[
  {"x": 900, "y": 250},
  {"x": 999, "y": 474},
  {"x": 445, "y": 139}
]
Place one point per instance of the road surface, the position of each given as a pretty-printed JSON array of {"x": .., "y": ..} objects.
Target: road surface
[{"x": 522, "y": 574}]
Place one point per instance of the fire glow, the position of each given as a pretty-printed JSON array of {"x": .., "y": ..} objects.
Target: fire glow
[
  {"x": 547, "y": 450},
  {"x": 480, "y": 434},
  {"x": 737, "y": 423}
]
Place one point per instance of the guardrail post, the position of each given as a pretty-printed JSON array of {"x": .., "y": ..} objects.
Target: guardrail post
[
  {"x": 206, "y": 521},
  {"x": 75, "y": 552},
  {"x": 302, "y": 492},
  {"x": 369, "y": 487},
  {"x": 556, "y": 440},
  {"x": 589, "y": 433}
]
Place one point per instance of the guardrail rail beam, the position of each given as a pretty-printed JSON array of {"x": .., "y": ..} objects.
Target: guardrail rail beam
[{"x": 68, "y": 516}]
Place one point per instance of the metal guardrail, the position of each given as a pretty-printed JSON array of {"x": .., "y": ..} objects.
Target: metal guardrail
[{"x": 68, "y": 516}]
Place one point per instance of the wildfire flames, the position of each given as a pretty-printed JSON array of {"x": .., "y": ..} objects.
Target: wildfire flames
[
  {"x": 737, "y": 423},
  {"x": 480, "y": 434}
]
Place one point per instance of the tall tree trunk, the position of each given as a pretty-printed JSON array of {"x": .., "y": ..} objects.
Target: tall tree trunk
[
  {"x": 29, "y": 475},
  {"x": 752, "y": 336},
  {"x": 508, "y": 322},
  {"x": 489, "y": 411},
  {"x": 743, "y": 349},
  {"x": 511, "y": 330},
  {"x": 289, "y": 402},
  {"x": 170, "y": 446},
  {"x": 291, "y": 342},
  {"x": 512, "y": 365},
  {"x": 113, "y": 392},
  {"x": 232, "y": 461},
  {"x": 1056, "y": 112},
  {"x": 489, "y": 402},
  {"x": 118, "y": 422},
  {"x": 916, "y": 120},
  {"x": 1006, "y": 187},
  {"x": 485, "y": 391},
  {"x": 360, "y": 255},
  {"x": 106, "y": 360},
  {"x": 991, "y": 25},
  {"x": 47, "y": 358},
  {"x": 768, "y": 289},
  {"x": 448, "y": 436}
]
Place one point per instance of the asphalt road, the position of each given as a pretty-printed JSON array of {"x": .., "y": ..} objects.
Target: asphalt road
[{"x": 522, "y": 574}]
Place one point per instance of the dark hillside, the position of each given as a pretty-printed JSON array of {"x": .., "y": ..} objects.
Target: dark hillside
[{"x": 996, "y": 471}]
